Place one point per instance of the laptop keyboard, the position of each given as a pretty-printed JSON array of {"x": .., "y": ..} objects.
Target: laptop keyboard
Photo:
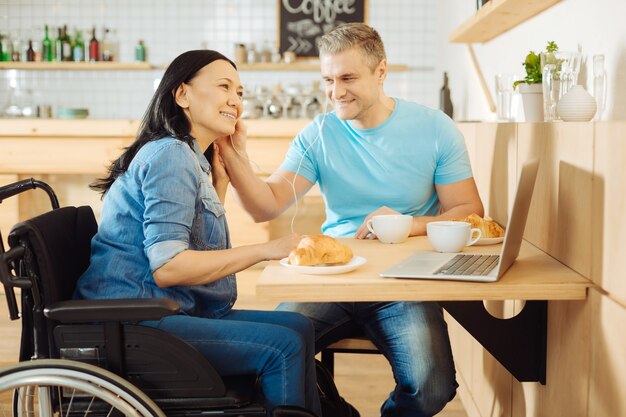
[{"x": 467, "y": 264}]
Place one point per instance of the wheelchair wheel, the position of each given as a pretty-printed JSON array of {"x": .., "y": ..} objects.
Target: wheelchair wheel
[{"x": 63, "y": 388}]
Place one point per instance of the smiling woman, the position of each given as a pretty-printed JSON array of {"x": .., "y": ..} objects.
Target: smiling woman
[
  {"x": 163, "y": 234},
  {"x": 212, "y": 101}
]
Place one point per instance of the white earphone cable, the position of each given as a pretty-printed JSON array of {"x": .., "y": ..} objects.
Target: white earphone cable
[{"x": 292, "y": 183}]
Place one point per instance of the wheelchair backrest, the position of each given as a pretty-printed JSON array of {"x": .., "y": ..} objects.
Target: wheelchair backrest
[
  {"x": 57, "y": 248},
  {"x": 59, "y": 243}
]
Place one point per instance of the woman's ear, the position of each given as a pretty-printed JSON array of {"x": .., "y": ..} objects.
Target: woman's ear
[{"x": 180, "y": 95}]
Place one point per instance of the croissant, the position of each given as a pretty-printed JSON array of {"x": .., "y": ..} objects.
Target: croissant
[
  {"x": 488, "y": 227},
  {"x": 319, "y": 250}
]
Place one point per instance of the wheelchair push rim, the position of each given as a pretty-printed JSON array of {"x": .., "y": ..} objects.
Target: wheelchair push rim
[{"x": 63, "y": 388}]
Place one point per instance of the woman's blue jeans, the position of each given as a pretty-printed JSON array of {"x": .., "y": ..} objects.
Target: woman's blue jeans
[
  {"x": 413, "y": 336},
  {"x": 276, "y": 346}
]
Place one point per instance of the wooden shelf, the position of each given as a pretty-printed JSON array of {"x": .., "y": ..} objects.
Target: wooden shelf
[
  {"x": 299, "y": 66},
  {"x": 497, "y": 17},
  {"x": 77, "y": 66}
]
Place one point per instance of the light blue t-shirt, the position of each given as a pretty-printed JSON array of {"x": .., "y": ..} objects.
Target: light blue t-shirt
[{"x": 395, "y": 164}]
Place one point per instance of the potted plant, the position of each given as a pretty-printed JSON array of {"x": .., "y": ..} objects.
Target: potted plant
[{"x": 530, "y": 87}]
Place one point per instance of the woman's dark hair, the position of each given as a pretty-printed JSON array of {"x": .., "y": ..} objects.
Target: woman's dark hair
[{"x": 163, "y": 117}]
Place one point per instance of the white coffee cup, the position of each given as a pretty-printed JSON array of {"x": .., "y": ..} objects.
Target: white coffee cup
[
  {"x": 390, "y": 228},
  {"x": 451, "y": 237}
]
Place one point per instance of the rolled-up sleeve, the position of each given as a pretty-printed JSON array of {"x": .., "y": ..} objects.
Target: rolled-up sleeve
[{"x": 170, "y": 182}]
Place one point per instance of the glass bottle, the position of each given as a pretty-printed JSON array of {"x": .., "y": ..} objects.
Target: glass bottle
[
  {"x": 78, "y": 49},
  {"x": 114, "y": 45},
  {"x": 46, "y": 44},
  {"x": 58, "y": 45},
  {"x": 140, "y": 52},
  {"x": 94, "y": 47},
  {"x": 107, "y": 52},
  {"x": 30, "y": 52},
  {"x": 7, "y": 47},
  {"x": 445, "y": 103},
  {"x": 599, "y": 84},
  {"x": 15, "y": 54},
  {"x": 66, "y": 45},
  {"x": 252, "y": 55}
]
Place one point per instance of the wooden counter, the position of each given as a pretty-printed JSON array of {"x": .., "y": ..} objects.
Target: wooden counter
[
  {"x": 70, "y": 154},
  {"x": 33, "y": 146}
]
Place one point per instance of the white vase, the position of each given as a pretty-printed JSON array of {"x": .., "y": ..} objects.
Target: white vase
[
  {"x": 532, "y": 100},
  {"x": 577, "y": 105}
]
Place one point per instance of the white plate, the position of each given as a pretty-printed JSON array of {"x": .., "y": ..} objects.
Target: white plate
[
  {"x": 353, "y": 264},
  {"x": 489, "y": 241}
]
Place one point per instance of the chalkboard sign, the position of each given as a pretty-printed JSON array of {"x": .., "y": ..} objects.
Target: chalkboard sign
[{"x": 301, "y": 22}]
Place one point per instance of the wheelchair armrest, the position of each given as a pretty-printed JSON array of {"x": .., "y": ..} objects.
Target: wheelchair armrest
[{"x": 85, "y": 311}]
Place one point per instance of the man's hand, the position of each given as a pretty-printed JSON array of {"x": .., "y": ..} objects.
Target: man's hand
[
  {"x": 219, "y": 176},
  {"x": 235, "y": 144},
  {"x": 363, "y": 231}
]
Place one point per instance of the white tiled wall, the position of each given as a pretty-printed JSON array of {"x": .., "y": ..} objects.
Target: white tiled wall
[{"x": 170, "y": 27}]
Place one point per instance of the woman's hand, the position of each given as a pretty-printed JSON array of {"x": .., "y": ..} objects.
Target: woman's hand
[
  {"x": 219, "y": 176},
  {"x": 280, "y": 248}
]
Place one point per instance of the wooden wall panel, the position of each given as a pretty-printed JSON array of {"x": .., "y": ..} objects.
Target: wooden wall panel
[
  {"x": 495, "y": 168},
  {"x": 560, "y": 215},
  {"x": 8, "y": 209},
  {"x": 490, "y": 384},
  {"x": 567, "y": 373},
  {"x": 484, "y": 384},
  {"x": 609, "y": 209},
  {"x": 607, "y": 392},
  {"x": 462, "y": 345},
  {"x": 469, "y": 133}
]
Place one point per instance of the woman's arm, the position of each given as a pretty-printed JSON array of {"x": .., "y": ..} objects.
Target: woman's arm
[{"x": 192, "y": 267}]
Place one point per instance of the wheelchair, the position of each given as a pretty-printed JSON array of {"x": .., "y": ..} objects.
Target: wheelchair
[{"x": 90, "y": 357}]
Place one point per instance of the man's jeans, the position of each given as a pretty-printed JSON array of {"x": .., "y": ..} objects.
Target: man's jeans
[
  {"x": 276, "y": 346},
  {"x": 413, "y": 336}
]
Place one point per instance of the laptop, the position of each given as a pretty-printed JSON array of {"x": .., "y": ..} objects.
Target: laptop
[{"x": 476, "y": 267}]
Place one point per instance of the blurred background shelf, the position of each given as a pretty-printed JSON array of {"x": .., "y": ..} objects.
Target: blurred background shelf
[
  {"x": 77, "y": 66},
  {"x": 142, "y": 66},
  {"x": 496, "y": 17},
  {"x": 297, "y": 66}
]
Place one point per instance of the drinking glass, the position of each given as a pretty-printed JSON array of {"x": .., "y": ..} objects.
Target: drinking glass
[{"x": 505, "y": 97}]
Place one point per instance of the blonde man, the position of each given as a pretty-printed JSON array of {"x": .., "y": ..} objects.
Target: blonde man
[{"x": 372, "y": 155}]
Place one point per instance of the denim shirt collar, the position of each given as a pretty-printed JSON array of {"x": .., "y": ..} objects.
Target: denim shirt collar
[{"x": 204, "y": 164}]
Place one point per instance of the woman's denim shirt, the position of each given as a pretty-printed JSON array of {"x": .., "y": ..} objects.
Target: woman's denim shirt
[{"x": 162, "y": 205}]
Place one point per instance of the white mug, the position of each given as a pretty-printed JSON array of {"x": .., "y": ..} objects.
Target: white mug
[
  {"x": 390, "y": 228},
  {"x": 451, "y": 237}
]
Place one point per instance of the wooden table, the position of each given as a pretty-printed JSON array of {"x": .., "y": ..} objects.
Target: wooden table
[
  {"x": 534, "y": 276},
  {"x": 518, "y": 343}
]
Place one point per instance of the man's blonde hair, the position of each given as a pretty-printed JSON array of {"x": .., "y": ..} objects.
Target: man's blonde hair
[{"x": 354, "y": 35}]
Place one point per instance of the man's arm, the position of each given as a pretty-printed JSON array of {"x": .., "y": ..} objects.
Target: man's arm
[
  {"x": 263, "y": 199},
  {"x": 458, "y": 199}
]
